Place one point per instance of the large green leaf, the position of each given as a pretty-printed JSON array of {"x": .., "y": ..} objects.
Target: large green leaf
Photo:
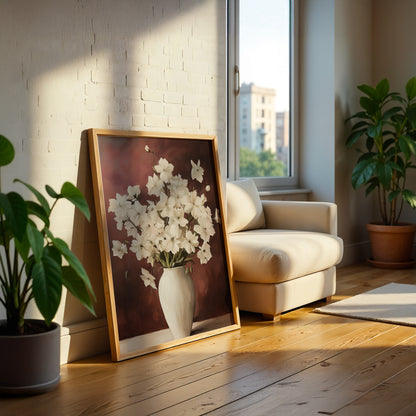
[
  {"x": 33, "y": 208},
  {"x": 375, "y": 130},
  {"x": 371, "y": 187},
  {"x": 368, "y": 90},
  {"x": 353, "y": 137},
  {"x": 369, "y": 105},
  {"x": 411, "y": 115},
  {"x": 23, "y": 247},
  {"x": 410, "y": 197},
  {"x": 47, "y": 287},
  {"x": 362, "y": 172},
  {"x": 36, "y": 241},
  {"x": 407, "y": 145},
  {"x": 42, "y": 200},
  {"x": 382, "y": 89},
  {"x": 398, "y": 167},
  {"x": 411, "y": 88},
  {"x": 393, "y": 195},
  {"x": 391, "y": 112},
  {"x": 73, "y": 261},
  {"x": 6, "y": 151},
  {"x": 360, "y": 114},
  {"x": 359, "y": 125},
  {"x": 384, "y": 174},
  {"x": 51, "y": 192},
  {"x": 54, "y": 253},
  {"x": 73, "y": 194},
  {"x": 77, "y": 287},
  {"x": 14, "y": 208}
]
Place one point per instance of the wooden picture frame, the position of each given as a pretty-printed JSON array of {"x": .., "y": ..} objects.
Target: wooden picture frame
[{"x": 158, "y": 201}]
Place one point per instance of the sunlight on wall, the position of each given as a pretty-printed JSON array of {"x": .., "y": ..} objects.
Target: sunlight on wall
[{"x": 156, "y": 65}]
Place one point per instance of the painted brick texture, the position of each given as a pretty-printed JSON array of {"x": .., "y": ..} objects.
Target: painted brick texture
[{"x": 69, "y": 66}]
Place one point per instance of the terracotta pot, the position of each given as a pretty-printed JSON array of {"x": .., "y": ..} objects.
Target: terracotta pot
[
  {"x": 30, "y": 364},
  {"x": 391, "y": 243}
]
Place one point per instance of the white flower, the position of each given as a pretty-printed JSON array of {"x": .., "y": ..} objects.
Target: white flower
[
  {"x": 149, "y": 251},
  {"x": 171, "y": 238},
  {"x": 191, "y": 242},
  {"x": 198, "y": 206},
  {"x": 154, "y": 185},
  {"x": 135, "y": 213},
  {"x": 178, "y": 217},
  {"x": 119, "y": 249},
  {"x": 204, "y": 253},
  {"x": 165, "y": 169},
  {"x": 173, "y": 220},
  {"x": 133, "y": 191},
  {"x": 178, "y": 186},
  {"x": 197, "y": 171},
  {"x": 147, "y": 148},
  {"x": 118, "y": 205},
  {"x": 204, "y": 228},
  {"x": 148, "y": 278}
]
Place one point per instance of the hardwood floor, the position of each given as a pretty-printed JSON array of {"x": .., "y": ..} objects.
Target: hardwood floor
[{"x": 304, "y": 364}]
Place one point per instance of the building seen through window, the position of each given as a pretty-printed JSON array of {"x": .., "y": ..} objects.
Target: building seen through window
[{"x": 264, "y": 98}]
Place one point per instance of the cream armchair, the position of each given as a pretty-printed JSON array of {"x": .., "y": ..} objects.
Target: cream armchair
[{"x": 283, "y": 253}]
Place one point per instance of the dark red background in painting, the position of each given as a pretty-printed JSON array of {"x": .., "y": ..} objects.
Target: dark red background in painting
[{"x": 125, "y": 162}]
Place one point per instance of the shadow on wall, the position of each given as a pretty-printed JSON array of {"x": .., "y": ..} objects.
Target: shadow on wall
[{"x": 69, "y": 66}]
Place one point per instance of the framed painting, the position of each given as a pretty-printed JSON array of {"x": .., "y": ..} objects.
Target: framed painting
[{"x": 163, "y": 243}]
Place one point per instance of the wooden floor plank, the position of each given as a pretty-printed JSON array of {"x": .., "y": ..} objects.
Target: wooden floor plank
[
  {"x": 305, "y": 364},
  {"x": 389, "y": 398},
  {"x": 278, "y": 366},
  {"x": 234, "y": 365}
]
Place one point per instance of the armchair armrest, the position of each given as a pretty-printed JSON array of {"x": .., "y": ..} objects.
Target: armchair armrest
[{"x": 301, "y": 215}]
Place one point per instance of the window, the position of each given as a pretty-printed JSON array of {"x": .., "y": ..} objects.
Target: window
[{"x": 260, "y": 71}]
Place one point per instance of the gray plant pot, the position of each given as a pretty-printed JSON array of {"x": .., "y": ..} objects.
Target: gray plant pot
[{"x": 30, "y": 364}]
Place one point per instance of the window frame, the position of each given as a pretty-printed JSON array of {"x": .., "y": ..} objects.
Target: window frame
[{"x": 233, "y": 107}]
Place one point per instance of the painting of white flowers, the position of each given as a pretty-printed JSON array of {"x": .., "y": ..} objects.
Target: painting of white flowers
[{"x": 163, "y": 243}]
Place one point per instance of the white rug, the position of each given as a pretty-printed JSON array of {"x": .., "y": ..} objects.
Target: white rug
[{"x": 392, "y": 303}]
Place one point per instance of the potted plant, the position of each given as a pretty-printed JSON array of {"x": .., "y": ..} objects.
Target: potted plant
[
  {"x": 34, "y": 264},
  {"x": 387, "y": 127}
]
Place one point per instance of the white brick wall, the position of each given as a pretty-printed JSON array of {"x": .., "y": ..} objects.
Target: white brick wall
[{"x": 123, "y": 64}]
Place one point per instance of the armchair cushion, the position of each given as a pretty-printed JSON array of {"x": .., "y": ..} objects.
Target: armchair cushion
[
  {"x": 244, "y": 207},
  {"x": 273, "y": 256}
]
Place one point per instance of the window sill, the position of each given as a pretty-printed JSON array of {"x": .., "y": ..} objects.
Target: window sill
[{"x": 285, "y": 194}]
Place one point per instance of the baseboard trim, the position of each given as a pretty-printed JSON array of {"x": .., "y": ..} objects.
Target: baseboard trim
[
  {"x": 355, "y": 253},
  {"x": 84, "y": 339}
]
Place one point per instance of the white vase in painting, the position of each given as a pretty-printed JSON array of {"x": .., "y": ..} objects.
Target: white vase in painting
[{"x": 177, "y": 298}]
